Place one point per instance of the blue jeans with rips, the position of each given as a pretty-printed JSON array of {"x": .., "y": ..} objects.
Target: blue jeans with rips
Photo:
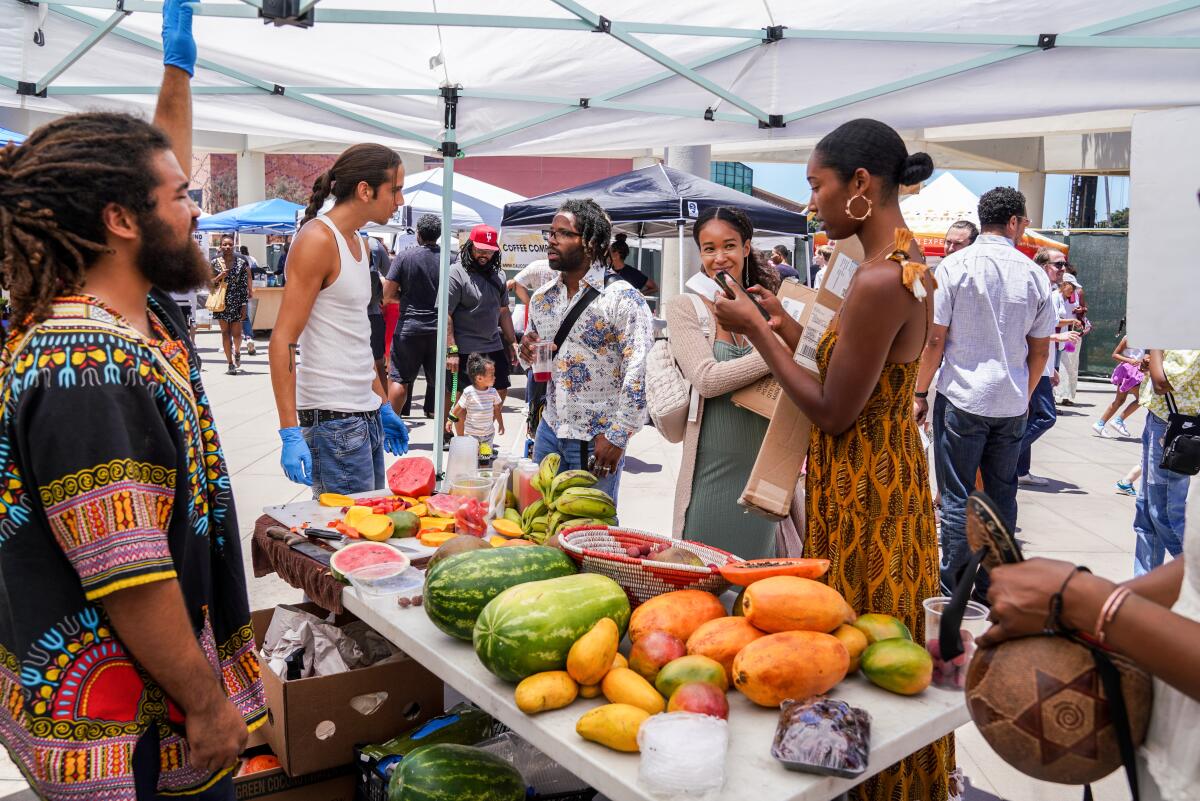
[
  {"x": 1042, "y": 417},
  {"x": 575, "y": 454},
  {"x": 347, "y": 455},
  {"x": 1159, "y": 510},
  {"x": 966, "y": 443}
]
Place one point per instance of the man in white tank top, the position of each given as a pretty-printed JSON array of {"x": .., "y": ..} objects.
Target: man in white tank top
[{"x": 334, "y": 418}]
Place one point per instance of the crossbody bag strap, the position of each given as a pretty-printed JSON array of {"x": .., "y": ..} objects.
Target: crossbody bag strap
[
  {"x": 564, "y": 330},
  {"x": 1171, "y": 406},
  {"x": 704, "y": 317}
]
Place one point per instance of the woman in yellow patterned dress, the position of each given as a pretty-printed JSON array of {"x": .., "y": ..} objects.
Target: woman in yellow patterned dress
[{"x": 869, "y": 506}]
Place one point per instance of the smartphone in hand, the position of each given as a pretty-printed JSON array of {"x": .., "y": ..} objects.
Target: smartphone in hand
[{"x": 728, "y": 282}]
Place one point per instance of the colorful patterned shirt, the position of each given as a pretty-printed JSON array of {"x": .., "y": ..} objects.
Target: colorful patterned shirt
[
  {"x": 1182, "y": 369},
  {"x": 112, "y": 478},
  {"x": 599, "y": 381}
]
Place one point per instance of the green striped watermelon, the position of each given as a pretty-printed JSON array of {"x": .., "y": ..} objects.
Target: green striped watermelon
[
  {"x": 458, "y": 587},
  {"x": 448, "y": 772},
  {"x": 530, "y": 627}
]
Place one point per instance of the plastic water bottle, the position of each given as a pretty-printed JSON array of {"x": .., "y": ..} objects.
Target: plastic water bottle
[{"x": 463, "y": 459}]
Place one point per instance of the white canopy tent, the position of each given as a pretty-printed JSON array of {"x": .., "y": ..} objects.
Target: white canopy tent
[
  {"x": 473, "y": 202},
  {"x": 560, "y": 76}
]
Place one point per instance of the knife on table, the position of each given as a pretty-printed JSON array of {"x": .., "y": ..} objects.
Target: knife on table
[{"x": 299, "y": 544}]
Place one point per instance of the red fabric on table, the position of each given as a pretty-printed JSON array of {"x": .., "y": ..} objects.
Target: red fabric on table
[{"x": 272, "y": 556}]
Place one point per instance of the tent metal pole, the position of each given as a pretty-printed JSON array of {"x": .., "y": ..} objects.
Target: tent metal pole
[
  {"x": 682, "y": 282},
  {"x": 443, "y": 303},
  {"x": 8, "y": 82},
  {"x": 99, "y": 32},
  {"x": 663, "y": 59}
]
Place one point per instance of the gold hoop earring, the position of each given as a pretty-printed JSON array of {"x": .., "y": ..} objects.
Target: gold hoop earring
[{"x": 854, "y": 216}]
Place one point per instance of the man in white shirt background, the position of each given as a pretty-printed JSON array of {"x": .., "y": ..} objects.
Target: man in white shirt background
[{"x": 993, "y": 317}]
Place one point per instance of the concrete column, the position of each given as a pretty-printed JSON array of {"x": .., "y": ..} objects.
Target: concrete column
[
  {"x": 251, "y": 188},
  {"x": 1033, "y": 186},
  {"x": 695, "y": 160}
]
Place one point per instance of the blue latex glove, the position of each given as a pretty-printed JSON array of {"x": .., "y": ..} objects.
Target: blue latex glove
[
  {"x": 395, "y": 432},
  {"x": 179, "y": 46},
  {"x": 296, "y": 458}
]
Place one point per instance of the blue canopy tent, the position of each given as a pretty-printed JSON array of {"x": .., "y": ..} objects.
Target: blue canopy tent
[
  {"x": 276, "y": 216},
  {"x": 7, "y": 136}
]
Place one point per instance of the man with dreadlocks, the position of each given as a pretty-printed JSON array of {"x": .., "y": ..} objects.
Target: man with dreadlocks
[
  {"x": 127, "y": 662},
  {"x": 596, "y": 399}
]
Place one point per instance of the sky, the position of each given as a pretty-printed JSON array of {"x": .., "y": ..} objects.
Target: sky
[{"x": 789, "y": 180}]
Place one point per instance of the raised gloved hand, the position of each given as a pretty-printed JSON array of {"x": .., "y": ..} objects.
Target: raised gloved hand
[
  {"x": 296, "y": 458},
  {"x": 395, "y": 432},
  {"x": 179, "y": 46}
]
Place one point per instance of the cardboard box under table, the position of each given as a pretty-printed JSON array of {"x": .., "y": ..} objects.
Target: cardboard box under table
[{"x": 312, "y": 724}]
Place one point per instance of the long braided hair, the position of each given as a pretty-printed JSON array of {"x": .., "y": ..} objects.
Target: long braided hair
[
  {"x": 595, "y": 227},
  {"x": 363, "y": 162},
  {"x": 53, "y": 192}
]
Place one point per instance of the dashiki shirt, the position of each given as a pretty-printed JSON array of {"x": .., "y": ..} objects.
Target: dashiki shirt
[
  {"x": 599, "y": 383},
  {"x": 112, "y": 478}
]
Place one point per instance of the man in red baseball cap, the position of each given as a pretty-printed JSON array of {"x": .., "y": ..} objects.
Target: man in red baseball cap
[{"x": 480, "y": 321}]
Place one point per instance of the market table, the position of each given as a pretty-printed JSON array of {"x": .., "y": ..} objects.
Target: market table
[{"x": 899, "y": 724}]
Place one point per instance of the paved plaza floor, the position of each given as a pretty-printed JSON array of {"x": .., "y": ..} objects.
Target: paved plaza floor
[{"x": 1077, "y": 516}]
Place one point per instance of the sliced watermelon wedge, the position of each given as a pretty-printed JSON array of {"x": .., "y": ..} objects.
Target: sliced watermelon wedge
[
  {"x": 364, "y": 554},
  {"x": 445, "y": 505}
]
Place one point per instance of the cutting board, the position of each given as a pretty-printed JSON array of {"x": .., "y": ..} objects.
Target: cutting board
[{"x": 312, "y": 514}]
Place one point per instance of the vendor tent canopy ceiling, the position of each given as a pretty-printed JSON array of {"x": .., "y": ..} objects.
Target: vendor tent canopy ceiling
[
  {"x": 560, "y": 76},
  {"x": 653, "y": 201},
  {"x": 474, "y": 201}
]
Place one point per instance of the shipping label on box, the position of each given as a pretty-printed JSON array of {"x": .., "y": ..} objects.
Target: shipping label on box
[{"x": 818, "y": 323}]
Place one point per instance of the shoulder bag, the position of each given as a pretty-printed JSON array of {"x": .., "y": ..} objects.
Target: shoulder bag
[
  {"x": 537, "y": 389},
  {"x": 216, "y": 298},
  {"x": 670, "y": 398},
  {"x": 1181, "y": 443}
]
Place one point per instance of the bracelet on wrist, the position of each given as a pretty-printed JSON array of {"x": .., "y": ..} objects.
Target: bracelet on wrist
[
  {"x": 1108, "y": 611},
  {"x": 1054, "y": 621},
  {"x": 921, "y": 395}
]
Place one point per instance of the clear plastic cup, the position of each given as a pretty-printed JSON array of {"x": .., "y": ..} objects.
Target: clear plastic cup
[
  {"x": 472, "y": 487},
  {"x": 543, "y": 360},
  {"x": 952, "y": 674}
]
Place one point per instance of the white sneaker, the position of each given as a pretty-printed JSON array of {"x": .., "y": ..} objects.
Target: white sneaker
[
  {"x": 1030, "y": 480},
  {"x": 1098, "y": 428},
  {"x": 1120, "y": 426}
]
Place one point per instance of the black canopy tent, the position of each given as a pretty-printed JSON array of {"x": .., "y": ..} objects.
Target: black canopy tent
[{"x": 653, "y": 201}]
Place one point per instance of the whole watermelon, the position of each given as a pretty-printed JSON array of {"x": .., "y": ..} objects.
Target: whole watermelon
[
  {"x": 447, "y": 772},
  {"x": 530, "y": 628},
  {"x": 458, "y": 587}
]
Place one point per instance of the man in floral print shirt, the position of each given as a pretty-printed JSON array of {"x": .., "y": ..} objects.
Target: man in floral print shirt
[{"x": 596, "y": 399}]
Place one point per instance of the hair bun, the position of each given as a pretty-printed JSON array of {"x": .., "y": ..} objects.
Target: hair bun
[
  {"x": 917, "y": 167},
  {"x": 619, "y": 237}
]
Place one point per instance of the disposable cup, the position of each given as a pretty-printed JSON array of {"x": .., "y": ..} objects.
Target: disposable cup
[
  {"x": 952, "y": 674},
  {"x": 543, "y": 360},
  {"x": 472, "y": 487}
]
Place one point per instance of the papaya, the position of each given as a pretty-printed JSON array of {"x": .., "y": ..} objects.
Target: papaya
[
  {"x": 791, "y": 603},
  {"x": 435, "y": 539},
  {"x": 677, "y": 613},
  {"x": 789, "y": 664},
  {"x": 437, "y": 524},
  {"x": 898, "y": 665},
  {"x": 855, "y": 642},
  {"x": 541, "y": 692},
  {"x": 623, "y": 686},
  {"x": 591, "y": 657},
  {"x": 613, "y": 725},
  {"x": 722, "y": 639}
]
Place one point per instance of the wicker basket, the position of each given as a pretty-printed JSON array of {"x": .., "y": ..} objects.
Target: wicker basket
[{"x": 602, "y": 550}]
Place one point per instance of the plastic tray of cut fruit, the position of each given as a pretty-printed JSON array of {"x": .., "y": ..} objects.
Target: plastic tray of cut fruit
[{"x": 647, "y": 565}]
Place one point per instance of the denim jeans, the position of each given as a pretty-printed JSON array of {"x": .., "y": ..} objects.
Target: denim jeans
[
  {"x": 247, "y": 331},
  {"x": 1042, "y": 417},
  {"x": 575, "y": 454},
  {"x": 1159, "y": 509},
  {"x": 347, "y": 455},
  {"x": 966, "y": 443}
]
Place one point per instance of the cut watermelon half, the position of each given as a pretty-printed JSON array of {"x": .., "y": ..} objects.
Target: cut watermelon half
[{"x": 366, "y": 554}]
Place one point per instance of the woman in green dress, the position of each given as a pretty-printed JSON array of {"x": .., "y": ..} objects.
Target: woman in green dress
[{"x": 720, "y": 446}]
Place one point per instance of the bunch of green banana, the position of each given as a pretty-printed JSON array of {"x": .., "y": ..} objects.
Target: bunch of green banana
[
  {"x": 569, "y": 479},
  {"x": 538, "y": 531},
  {"x": 588, "y": 522},
  {"x": 547, "y": 470},
  {"x": 585, "y": 502},
  {"x": 513, "y": 516},
  {"x": 534, "y": 510}
]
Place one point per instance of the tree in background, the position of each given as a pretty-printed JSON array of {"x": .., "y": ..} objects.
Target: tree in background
[
  {"x": 289, "y": 188},
  {"x": 222, "y": 192},
  {"x": 1118, "y": 219}
]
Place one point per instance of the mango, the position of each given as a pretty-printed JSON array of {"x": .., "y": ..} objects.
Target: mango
[
  {"x": 506, "y": 527},
  {"x": 355, "y": 514},
  {"x": 592, "y": 654},
  {"x": 623, "y": 686},
  {"x": 898, "y": 665},
  {"x": 789, "y": 664},
  {"x": 687, "y": 669},
  {"x": 619, "y": 660},
  {"x": 589, "y": 691},
  {"x": 418, "y": 509},
  {"x": 878, "y": 627},
  {"x": 791, "y": 603},
  {"x": 855, "y": 642},
  {"x": 677, "y": 613},
  {"x": 654, "y": 650},
  {"x": 700, "y": 697},
  {"x": 613, "y": 725},
  {"x": 722, "y": 639},
  {"x": 542, "y": 692},
  {"x": 334, "y": 499},
  {"x": 436, "y": 539},
  {"x": 376, "y": 528},
  {"x": 404, "y": 524},
  {"x": 437, "y": 524}
]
